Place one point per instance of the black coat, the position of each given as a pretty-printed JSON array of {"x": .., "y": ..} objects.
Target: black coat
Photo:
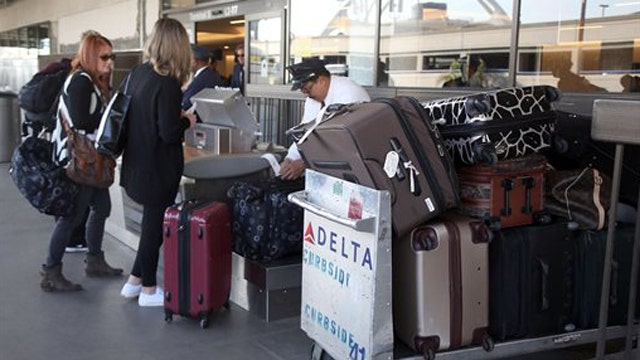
[
  {"x": 153, "y": 161},
  {"x": 237, "y": 78},
  {"x": 207, "y": 78}
]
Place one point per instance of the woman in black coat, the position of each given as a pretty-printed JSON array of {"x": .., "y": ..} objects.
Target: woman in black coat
[{"x": 152, "y": 162}]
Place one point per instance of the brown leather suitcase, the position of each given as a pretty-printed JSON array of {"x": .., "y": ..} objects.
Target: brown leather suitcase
[
  {"x": 387, "y": 144},
  {"x": 441, "y": 285},
  {"x": 507, "y": 194}
]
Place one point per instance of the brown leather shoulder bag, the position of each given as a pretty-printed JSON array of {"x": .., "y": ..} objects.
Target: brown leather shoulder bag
[{"x": 86, "y": 165}]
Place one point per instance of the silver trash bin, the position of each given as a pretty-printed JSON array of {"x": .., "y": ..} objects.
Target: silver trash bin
[{"x": 9, "y": 124}]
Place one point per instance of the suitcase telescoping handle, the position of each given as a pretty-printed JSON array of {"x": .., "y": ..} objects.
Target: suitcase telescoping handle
[
  {"x": 363, "y": 225},
  {"x": 507, "y": 185},
  {"x": 528, "y": 183}
]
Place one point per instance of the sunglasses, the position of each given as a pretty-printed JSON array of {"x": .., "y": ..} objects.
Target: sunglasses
[{"x": 108, "y": 57}]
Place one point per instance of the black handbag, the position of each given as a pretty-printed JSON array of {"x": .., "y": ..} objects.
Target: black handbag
[
  {"x": 41, "y": 181},
  {"x": 111, "y": 137},
  {"x": 582, "y": 196}
]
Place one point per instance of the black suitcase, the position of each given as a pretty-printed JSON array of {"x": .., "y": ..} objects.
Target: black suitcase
[
  {"x": 387, "y": 144},
  {"x": 496, "y": 125},
  {"x": 590, "y": 250},
  {"x": 530, "y": 281}
]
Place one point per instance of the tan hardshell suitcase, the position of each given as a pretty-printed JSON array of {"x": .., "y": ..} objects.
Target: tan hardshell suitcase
[{"x": 441, "y": 285}]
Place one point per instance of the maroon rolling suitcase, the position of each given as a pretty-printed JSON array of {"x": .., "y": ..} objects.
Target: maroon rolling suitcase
[
  {"x": 197, "y": 259},
  {"x": 387, "y": 144},
  {"x": 441, "y": 285},
  {"x": 507, "y": 194}
]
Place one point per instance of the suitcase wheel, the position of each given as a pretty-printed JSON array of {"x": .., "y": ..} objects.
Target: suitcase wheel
[
  {"x": 487, "y": 343},
  {"x": 552, "y": 94},
  {"x": 318, "y": 353},
  {"x": 485, "y": 153},
  {"x": 492, "y": 222},
  {"x": 560, "y": 145},
  {"x": 428, "y": 353},
  {"x": 204, "y": 320},
  {"x": 168, "y": 316}
]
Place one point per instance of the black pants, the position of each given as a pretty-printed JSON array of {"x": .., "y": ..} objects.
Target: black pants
[
  {"x": 89, "y": 198},
  {"x": 146, "y": 264}
]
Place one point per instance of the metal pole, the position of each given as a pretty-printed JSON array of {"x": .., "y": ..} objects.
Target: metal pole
[
  {"x": 606, "y": 273},
  {"x": 583, "y": 12},
  {"x": 513, "y": 50},
  {"x": 633, "y": 287}
]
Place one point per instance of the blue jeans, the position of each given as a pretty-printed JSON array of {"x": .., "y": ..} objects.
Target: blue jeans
[{"x": 99, "y": 202}]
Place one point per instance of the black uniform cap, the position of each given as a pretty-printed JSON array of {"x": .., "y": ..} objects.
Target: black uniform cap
[{"x": 305, "y": 71}]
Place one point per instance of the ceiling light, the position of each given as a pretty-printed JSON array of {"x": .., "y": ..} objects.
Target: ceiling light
[{"x": 236, "y": 22}]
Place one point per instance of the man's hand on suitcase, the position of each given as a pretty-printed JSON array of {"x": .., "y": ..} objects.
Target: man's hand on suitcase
[{"x": 291, "y": 169}]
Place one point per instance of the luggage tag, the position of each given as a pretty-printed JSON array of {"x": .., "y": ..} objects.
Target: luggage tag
[{"x": 391, "y": 162}]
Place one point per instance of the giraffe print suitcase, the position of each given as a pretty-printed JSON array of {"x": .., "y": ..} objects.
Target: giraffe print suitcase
[{"x": 496, "y": 125}]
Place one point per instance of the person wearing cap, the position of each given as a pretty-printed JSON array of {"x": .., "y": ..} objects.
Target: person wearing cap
[
  {"x": 237, "y": 77},
  {"x": 322, "y": 89},
  {"x": 203, "y": 75}
]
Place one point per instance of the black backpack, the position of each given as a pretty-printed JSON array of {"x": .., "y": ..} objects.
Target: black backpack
[{"x": 39, "y": 97}]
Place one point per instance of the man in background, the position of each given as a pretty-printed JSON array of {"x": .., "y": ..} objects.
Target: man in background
[
  {"x": 237, "y": 78},
  {"x": 203, "y": 75},
  {"x": 322, "y": 89}
]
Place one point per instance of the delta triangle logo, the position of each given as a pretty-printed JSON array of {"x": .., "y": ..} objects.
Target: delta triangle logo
[{"x": 308, "y": 235}]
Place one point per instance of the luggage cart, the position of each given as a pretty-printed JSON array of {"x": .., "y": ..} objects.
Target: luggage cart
[
  {"x": 613, "y": 121},
  {"x": 346, "y": 267},
  {"x": 616, "y": 121}
]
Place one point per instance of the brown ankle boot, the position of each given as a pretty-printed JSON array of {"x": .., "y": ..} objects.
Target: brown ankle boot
[
  {"x": 98, "y": 267},
  {"x": 54, "y": 281}
]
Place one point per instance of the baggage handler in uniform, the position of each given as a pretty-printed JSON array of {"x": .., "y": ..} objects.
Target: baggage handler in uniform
[
  {"x": 83, "y": 100},
  {"x": 203, "y": 75},
  {"x": 322, "y": 89},
  {"x": 152, "y": 161}
]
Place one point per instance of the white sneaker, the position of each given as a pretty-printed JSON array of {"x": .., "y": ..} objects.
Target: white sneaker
[
  {"x": 80, "y": 248},
  {"x": 156, "y": 299},
  {"x": 130, "y": 291}
]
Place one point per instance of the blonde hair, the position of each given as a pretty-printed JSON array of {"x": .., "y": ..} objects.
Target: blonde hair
[
  {"x": 88, "y": 57},
  {"x": 168, "y": 50}
]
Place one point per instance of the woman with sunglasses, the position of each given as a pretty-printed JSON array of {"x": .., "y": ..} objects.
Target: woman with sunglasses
[{"x": 84, "y": 96}]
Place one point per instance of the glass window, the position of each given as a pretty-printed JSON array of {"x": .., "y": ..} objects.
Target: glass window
[
  {"x": 265, "y": 41},
  {"x": 444, "y": 43},
  {"x": 340, "y": 32},
  {"x": 580, "y": 45}
]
